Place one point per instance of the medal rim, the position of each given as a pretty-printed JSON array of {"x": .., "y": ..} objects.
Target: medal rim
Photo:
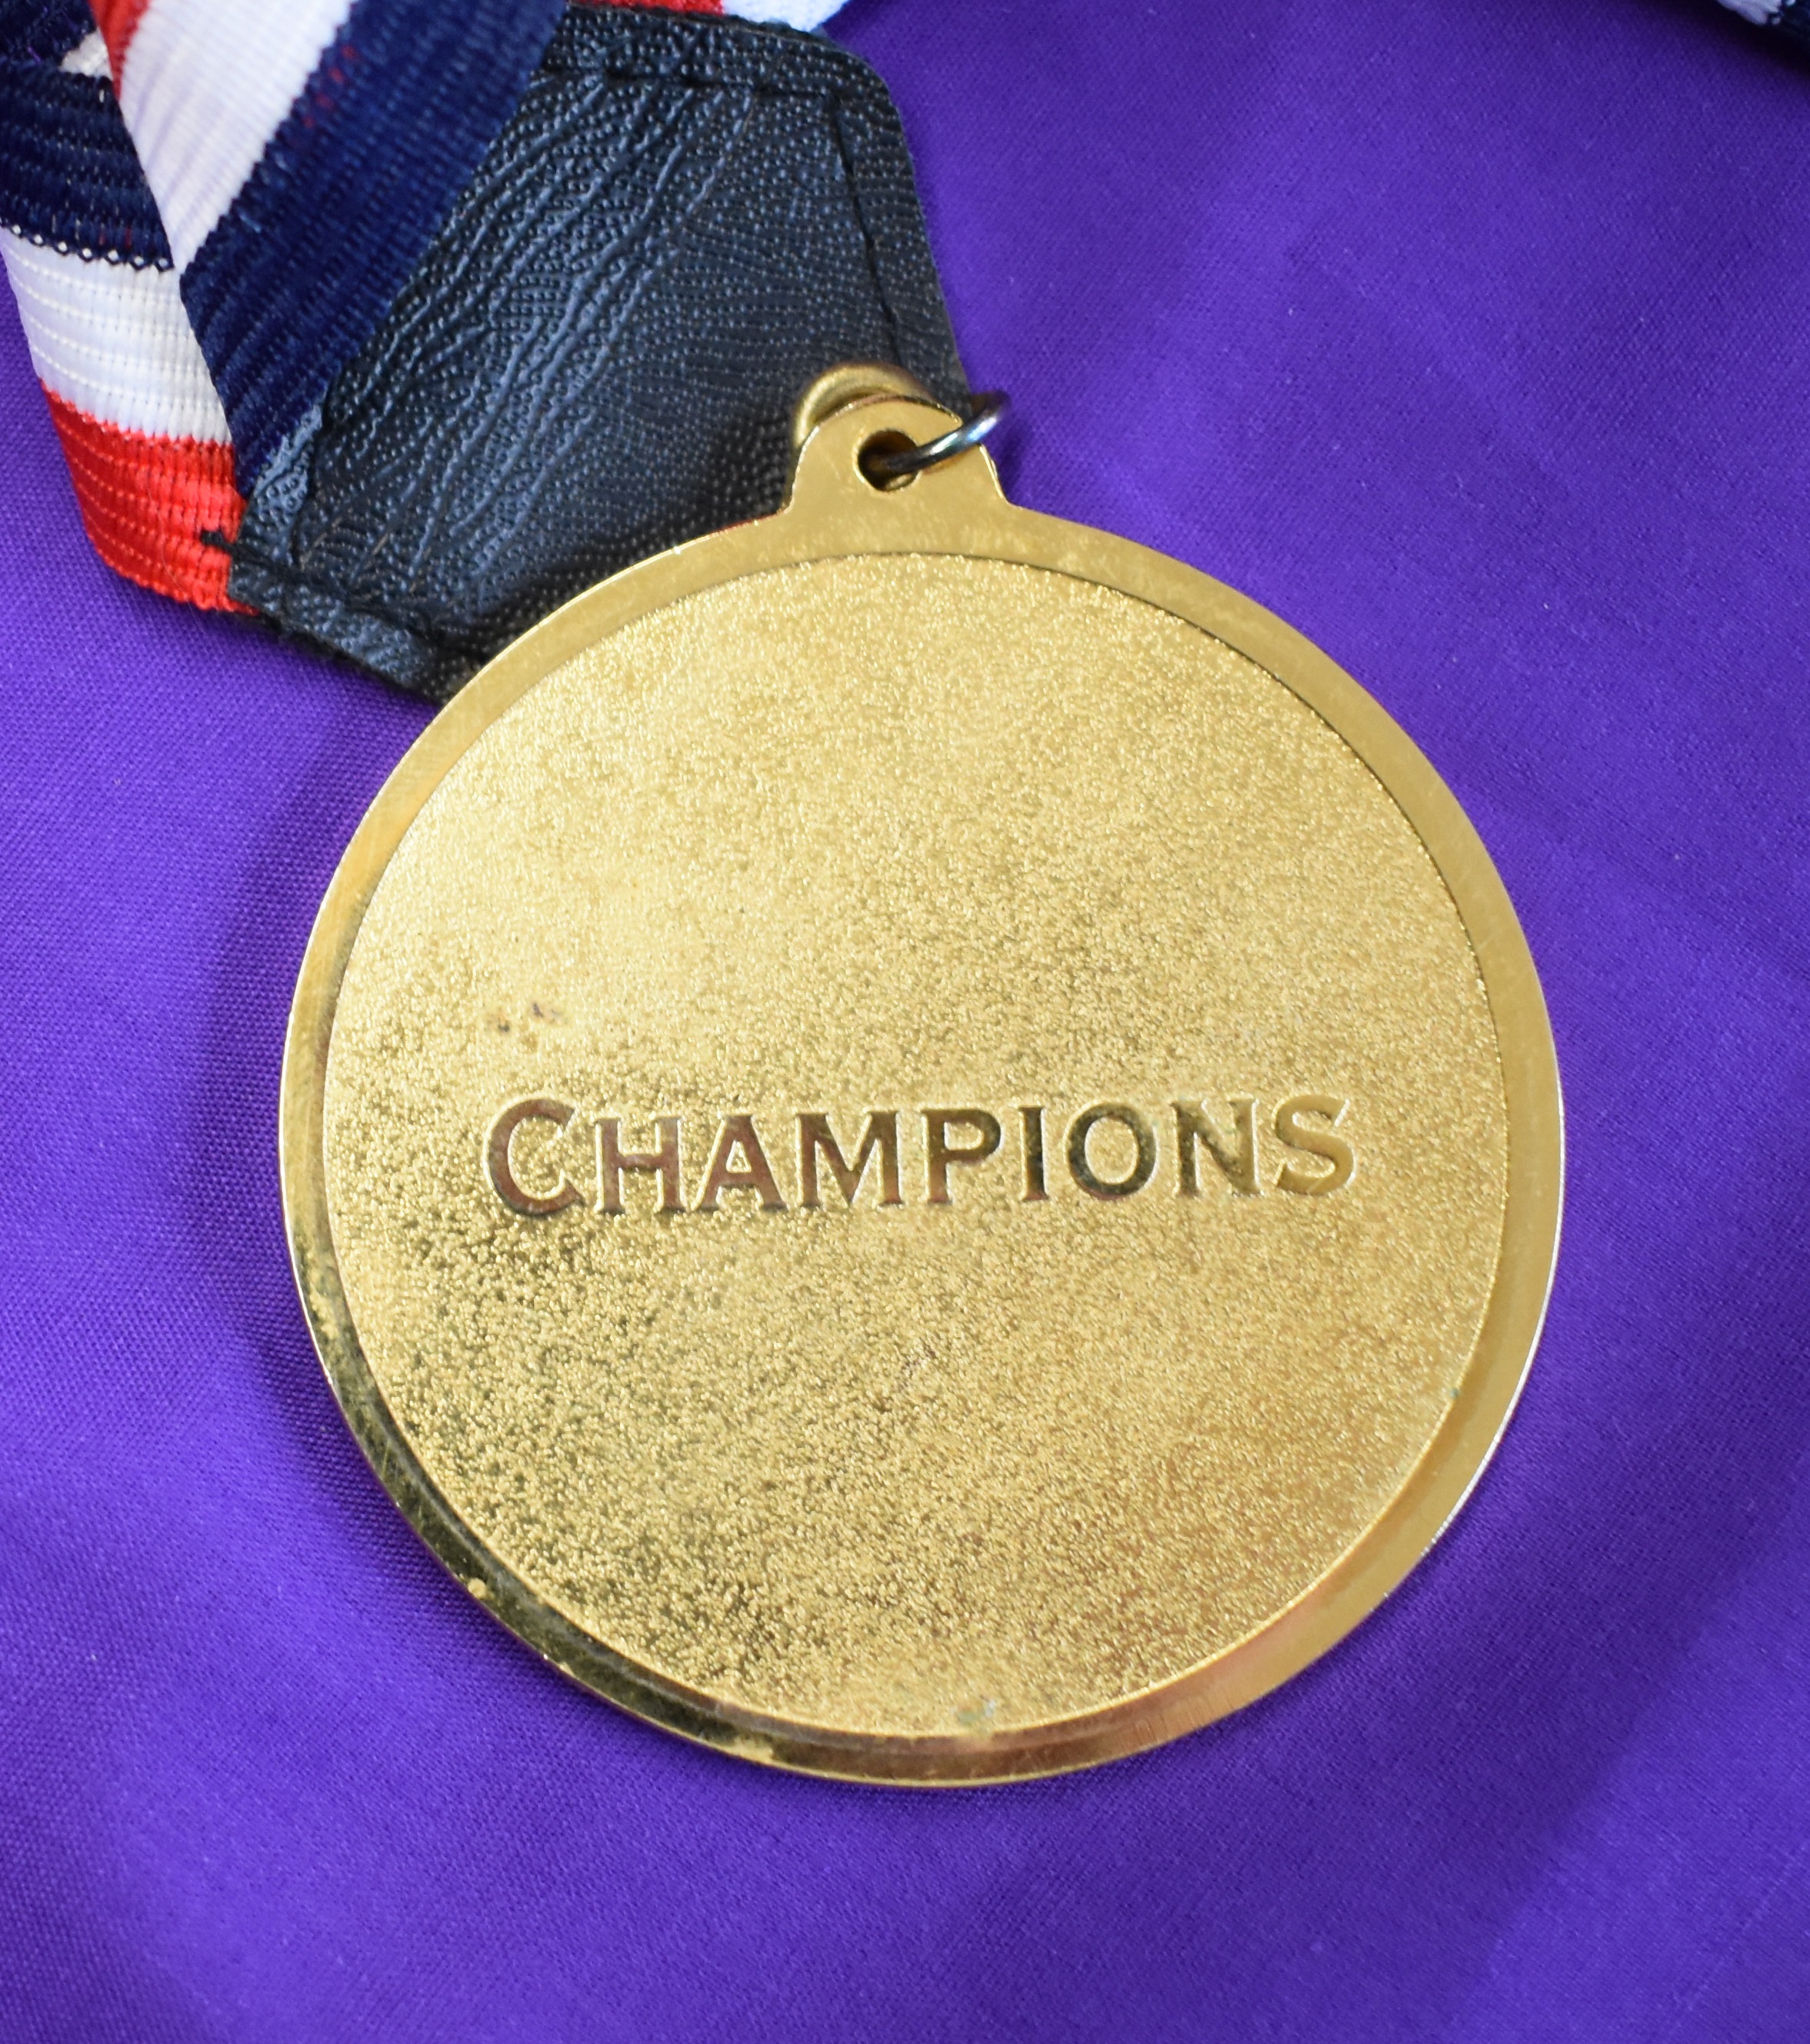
[{"x": 833, "y": 512}]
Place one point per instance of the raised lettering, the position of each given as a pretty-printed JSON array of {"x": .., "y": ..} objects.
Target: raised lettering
[
  {"x": 1318, "y": 1158},
  {"x": 499, "y": 1165},
  {"x": 940, "y": 1153},
  {"x": 1082, "y": 1171},
  {"x": 1194, "y": 1124},
  {"x": 816, "y": 1138},
  {"x": 1295, "y": 1177},
  {"x": 1035, "y": 1188},
  {"x": 612, "y": 1160},
  {"x": 753, "y": 1174}
]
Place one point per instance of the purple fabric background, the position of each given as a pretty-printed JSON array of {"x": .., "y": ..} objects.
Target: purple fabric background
[{"x": 1473, "y": 338}]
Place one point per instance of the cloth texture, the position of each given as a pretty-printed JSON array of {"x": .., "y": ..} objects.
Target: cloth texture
[
  {"x": 1472, "y": 340},
  {"x": 280, "y": 171},
  {"x": 130, "y": 392},
  {"x": 684, "y": 222},
  {"x": 147, "y": 443},
  {"x": 289, "y": 165}
]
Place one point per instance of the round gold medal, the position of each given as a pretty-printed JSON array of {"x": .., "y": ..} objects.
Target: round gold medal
[{"x": 916, "y": 1140}]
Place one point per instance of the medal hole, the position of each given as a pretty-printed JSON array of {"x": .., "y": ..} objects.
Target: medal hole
[{"x": 872, "y": 451}]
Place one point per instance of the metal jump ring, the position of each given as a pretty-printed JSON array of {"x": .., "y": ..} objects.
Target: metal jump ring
[{"x": 988, "y": 410}]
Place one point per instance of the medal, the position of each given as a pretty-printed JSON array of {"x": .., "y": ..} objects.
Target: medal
[
  {"x": 919, "y": 1142},
  {"x": 916, "y": 1140}
]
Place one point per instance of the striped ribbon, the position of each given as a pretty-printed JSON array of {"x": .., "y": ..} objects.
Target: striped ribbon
[{"x": 211, "y": 205}]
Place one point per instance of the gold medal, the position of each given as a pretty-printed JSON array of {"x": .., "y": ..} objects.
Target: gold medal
[{"x": 916, "y": 1139}]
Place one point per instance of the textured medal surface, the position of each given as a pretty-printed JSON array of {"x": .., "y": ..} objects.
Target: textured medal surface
[{"x": 919, "y": 1142}]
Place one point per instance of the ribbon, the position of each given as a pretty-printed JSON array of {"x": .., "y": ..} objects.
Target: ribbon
[{"x": 209, "y": 205}]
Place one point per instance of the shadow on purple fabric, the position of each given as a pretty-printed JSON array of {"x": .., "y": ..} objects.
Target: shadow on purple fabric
[{"x": 1486, "y": 330}]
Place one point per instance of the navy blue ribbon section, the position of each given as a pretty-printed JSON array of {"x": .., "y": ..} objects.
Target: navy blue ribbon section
[
  {"x": 301, "y": 269},
  {"x": 69, "y": 175}
]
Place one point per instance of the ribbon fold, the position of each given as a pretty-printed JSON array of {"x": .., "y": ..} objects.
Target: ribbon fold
[{"x": 211, "y": 205}]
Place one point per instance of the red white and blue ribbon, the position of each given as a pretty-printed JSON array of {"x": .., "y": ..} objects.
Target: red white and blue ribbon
[{"x": 208, "y": 208}]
